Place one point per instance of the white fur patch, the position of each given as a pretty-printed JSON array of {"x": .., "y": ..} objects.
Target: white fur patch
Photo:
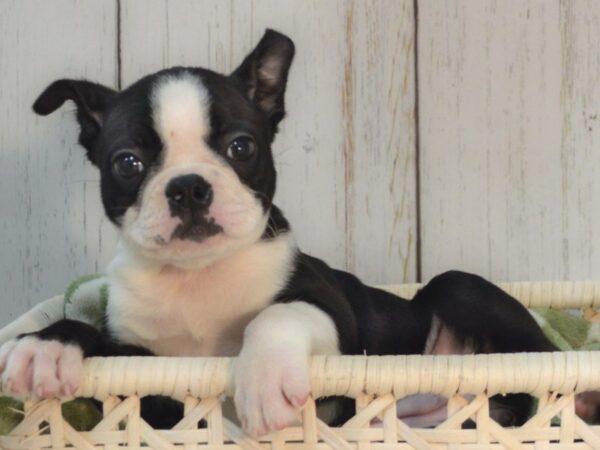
[
  {"x": 433, "y": 335},
  {"x": 272, "y": 380},
  {"x": 173, "y": 311},
  {"x": 180, "y": 106},
  {"x": 441, "y": 340},
  {"x": 43, "y": 368}
]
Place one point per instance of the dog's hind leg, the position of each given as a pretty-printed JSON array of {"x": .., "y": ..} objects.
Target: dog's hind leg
[
  {"x": 475, "y": 309},
  {"x": 472, "y": 315}
]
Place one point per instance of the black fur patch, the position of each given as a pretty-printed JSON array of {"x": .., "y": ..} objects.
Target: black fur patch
[
  {"x": 249, "y": 101},
  {"x": 374, "y": 322},
  {"x": 199, "y": 230}
]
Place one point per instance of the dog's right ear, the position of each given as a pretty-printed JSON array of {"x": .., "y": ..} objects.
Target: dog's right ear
[
  {"x": 91, "y": 100},
  {"x": 264, "y": 73}
]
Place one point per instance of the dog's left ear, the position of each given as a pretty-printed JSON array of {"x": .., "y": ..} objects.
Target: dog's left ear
[
  {"x": 91, "y": 100},
  {"x": 264, "y": 73}
]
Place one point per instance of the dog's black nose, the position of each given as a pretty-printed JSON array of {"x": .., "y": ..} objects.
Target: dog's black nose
[{"x": 189, "y": 193}]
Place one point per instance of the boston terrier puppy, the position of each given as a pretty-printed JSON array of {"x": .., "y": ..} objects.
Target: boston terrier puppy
[{"x": 207, "y": 264}]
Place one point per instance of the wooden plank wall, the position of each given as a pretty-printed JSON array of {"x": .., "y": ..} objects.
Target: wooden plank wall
[
  {"x": 422, "y": 135},
  {"x": 51, "y": 225},
  {"x": 509, "y": 95}
]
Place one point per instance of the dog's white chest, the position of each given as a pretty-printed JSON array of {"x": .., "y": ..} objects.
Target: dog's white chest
[{"x": 202, "y": 313}]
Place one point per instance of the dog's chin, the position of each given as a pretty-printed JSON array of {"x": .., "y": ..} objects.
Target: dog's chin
[
  {"x": 190, "y": 253},
  {"x": 194, "y": 246}
]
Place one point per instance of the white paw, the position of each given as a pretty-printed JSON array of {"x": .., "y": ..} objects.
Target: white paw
[
  {"x": 270, "y": 390},
  {"x": 42, "y": 368}
]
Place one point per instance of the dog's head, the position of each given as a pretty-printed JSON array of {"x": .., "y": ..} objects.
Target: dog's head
[{"x": 184, "y": 154}]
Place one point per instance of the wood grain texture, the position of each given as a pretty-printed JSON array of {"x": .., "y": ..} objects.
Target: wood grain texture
[
  {"x": 508, "y": 128},
  {"x": 346, "y": 153},
  {"x": 580, "y": 139},
  {"x": 379, "y": 110},
  {"x": 508, "y": 101},
  {"x": 52, "y": 225}
]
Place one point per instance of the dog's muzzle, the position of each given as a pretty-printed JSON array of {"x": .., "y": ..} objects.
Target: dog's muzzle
[{"x": 189, "y": 198}]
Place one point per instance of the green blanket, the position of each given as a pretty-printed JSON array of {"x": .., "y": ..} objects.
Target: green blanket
[{"x": 86, "y": 298}]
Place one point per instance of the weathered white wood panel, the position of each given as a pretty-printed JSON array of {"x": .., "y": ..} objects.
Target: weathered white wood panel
[
  {"x": 508, "y": 112},
  {"x": 508, "y": 98},
  {"x": 51, "y": 221},
  {"x": 579, "y": 231},
  {"x": 379, "y": 116},
  {"x": 346, "y": 152}
]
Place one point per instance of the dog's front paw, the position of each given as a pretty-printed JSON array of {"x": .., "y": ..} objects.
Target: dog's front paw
[
  {"x": 44, "y": 368},
  {"x": 270, "y": 390}
]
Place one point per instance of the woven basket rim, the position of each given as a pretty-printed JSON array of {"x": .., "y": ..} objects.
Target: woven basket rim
[
  {"x": 352, "y": 376},
  {"x": 560, "y": 372}
]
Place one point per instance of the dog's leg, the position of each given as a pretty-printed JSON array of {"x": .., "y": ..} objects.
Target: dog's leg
[
  {"x": 272, "y": 373},
  {"x": 478, "y": 317},
  {"x": 48, "y": 362},
  {"x": 475, "y": 309}
]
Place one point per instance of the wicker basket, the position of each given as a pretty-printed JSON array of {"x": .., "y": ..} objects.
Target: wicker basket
[{"x": 375, "y": 383}]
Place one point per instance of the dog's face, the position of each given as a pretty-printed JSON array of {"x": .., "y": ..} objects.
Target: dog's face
[{"x": 184, "y": 155}]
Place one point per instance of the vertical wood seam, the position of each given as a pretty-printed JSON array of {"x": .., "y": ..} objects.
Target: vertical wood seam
[
  {"x": 418, "y": 259},
  {"x": 119, "y": 35},
  {"x": 348, "y": 117}
]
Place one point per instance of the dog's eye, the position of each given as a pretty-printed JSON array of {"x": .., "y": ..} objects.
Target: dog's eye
[
  {"x": 241, "y": 148},
  {"x": 127, "y": 165}
]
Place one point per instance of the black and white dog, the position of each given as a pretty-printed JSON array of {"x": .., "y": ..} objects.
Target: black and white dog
[{"x": 207, "y": 264}]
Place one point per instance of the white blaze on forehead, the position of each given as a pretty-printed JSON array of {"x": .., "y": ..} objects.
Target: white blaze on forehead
[{"x": 180, "y": 106}]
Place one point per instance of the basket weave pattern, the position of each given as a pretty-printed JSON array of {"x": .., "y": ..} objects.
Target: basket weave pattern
[{"x": 374, "y": 382}]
